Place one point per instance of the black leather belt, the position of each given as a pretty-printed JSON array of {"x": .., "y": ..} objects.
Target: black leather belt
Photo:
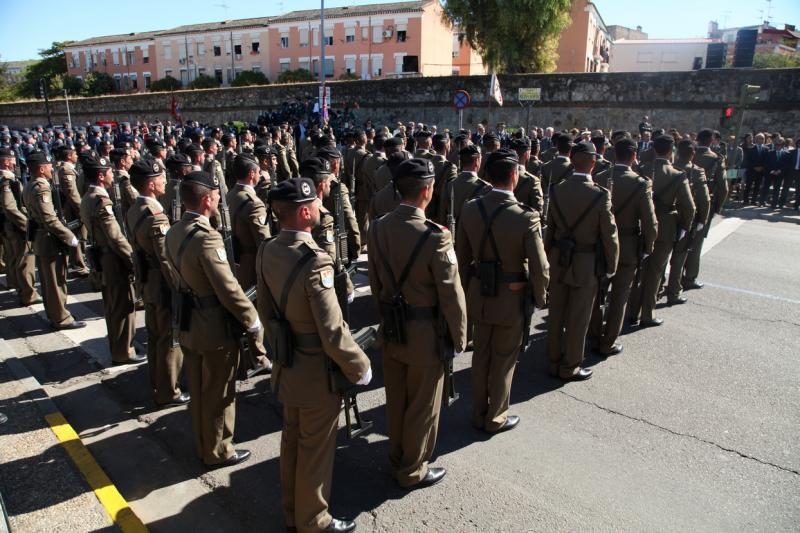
[{"x": 505, "y": 277}]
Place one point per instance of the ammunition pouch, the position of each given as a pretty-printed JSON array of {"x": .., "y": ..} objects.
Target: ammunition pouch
[
  {"x": 566, "y": 249},
  {"x": 487, "y": 274},
  {"x": 283, "y": 345},
  {"x": 94, "y": 254}
]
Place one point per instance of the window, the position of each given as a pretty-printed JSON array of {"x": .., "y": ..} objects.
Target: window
[
  {"x": 117, "y": 82},
  {"x": 364, "y": 33},
  {"x": 201, "y": 71},
  {"x": 146, "y": 54},
  {"x": 254, "y": 48},
  {"x": 377, "y": 65},
  {"x": 456, "y": 71},
  {"x": 303, "y": 37},
  {"x": 256, "y": 68},
  {"x": 284, "y": 65},
  {"x": 73, "y": 60},
  {"x": 237, "y": 49},
  {"x": 146, "y": 80},
  {"x": 328, "y": 40},
  {"x": 115, "y": 56},
  {"x": 315, "y": 36},
  {"x": 201, "y": 49},
  {"x": 328, "y": 67},
  {"x": 217, "y": 50},
  {"x": 401, "y": 36},
  {"x": 102, "y": 58},
  {"x": 167, "y": 52},
  {"x": 131, "y": 57},
  {"x": 168, "y": 73},
  {"x": 303, "y": 64},
  {"x": 350, "y": 64},
  {"x": 218, "y": 74},
  {"x": 285, "y": 40},
  {"x": 349, "y": 35},
  {"x": 377, "y": 34},
  {"x": 184, "y": 77},
  {"x": 134, "y": 82}
]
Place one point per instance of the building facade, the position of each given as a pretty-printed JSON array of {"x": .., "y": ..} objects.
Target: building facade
[
  {"x": 658, "y": 55},
  {"x": 617, "y": 32},
  {"x": 130, "y": 59},
  {"x": 584, "y": 45},
  {"x": 373, "y": 41},
  {"x": 466, "y": 61}
]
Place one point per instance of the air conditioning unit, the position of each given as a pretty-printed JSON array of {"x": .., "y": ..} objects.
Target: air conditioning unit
[
  {"x": 387, "y": 34},
  {"x": 182, "y": 60}
]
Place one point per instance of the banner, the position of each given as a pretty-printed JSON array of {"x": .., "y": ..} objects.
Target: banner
[{"x": 494, "y": 90}]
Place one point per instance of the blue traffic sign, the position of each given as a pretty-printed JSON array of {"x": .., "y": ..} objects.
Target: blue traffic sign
[{"x": 461, "y": 99}]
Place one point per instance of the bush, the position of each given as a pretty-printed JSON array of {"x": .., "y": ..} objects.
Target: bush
[
  {"x": 349, "y": 76},
  {"x": 203, "y": 81},
  {"x": 165, "y": 84},
  {"x": 249, "y": 77},
  {"x": 97, "y": 83},
  {"x": 295, "y": 76}
]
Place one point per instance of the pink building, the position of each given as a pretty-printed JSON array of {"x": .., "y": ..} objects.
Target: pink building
[
  {"x": 129, "y": 58},
  {"x": 371, "y": 41}
]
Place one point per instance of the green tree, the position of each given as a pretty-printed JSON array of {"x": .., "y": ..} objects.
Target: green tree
[
  {"x": 204, "y": 81},
  {"x": 98, "y": 83},
  {"x": 512, "y": 36},
  {"x": 52, "y": 66},
  {"x": 167, "y": 83},
  {"x": 295, "y": 76},
  {"x": 772, "y": 60},
  {"x": 250, "y": 77}
]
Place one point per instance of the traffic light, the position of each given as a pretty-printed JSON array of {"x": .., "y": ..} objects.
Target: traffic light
[
  {"x": 41, "y": 88},
  {"x": 728, "y": 112}
]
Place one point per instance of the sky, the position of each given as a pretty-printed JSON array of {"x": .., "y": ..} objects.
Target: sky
[{"x": 22, "y": 34}]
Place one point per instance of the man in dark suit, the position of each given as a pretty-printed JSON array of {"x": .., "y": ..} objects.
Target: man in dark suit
[
  {"x": 773, "y": 173},
  {"x": 644, "y": 144},
  {"x": 790, "y": 177},
  {"x": 754, "y": 156}
]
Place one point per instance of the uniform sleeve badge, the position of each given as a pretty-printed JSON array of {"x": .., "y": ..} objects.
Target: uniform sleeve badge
[
  {"x": 326, "y": 277},
  {"x": 109, "y": 210},
  {"x": 329, "y": 236},
  {"x": 451, "y": 256},
  {"x": 262, "y": 219},
  {"x": 222, "y": 255},
  {"x": 164, "y": 229}
]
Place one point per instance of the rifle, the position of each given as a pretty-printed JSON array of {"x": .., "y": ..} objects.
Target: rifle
[
  {"x": 118, "y": 210},
  {"x": 176, "y": 203},
  {"x": 365, "y": 338},
  {"x": 447, "y": 353},
  {"x": 451, "y": 218},
  {"x": 56, "y": 196},
  {"x": 339, "y": 229},
  {"x": 225, "y": 228}
]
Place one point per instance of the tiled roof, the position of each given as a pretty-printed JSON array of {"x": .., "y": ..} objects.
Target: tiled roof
[
  {"x": 351, "y": 11},
  {"x": 221, "y": 25},
  {"x": 107, "y": 39}
]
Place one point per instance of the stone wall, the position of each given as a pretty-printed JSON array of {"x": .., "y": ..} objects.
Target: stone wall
[{"x": 685, "y": 100}]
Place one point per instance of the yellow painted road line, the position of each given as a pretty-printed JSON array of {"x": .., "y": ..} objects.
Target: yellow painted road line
[{"x": 113, "y": 502}]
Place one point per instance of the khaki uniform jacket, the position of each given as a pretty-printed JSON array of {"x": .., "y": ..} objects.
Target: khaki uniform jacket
[
  {"x": 126, "y": 190},
  {"x": 714, "y": 167},
  {"x": 51, "y": 235},
  {"x": 529, "y": 190},
  {"x": 368, "y": 170},
  {"x": 283, "y": 170},
  {"x": 534, "y": 166},
  {"x": 634, "y": 212},
  {"x": 148, "y": 226},
  {"x": 71, "y": 198},
  {"x": 444, "y": 172},
  {"x": 518, "y": 233},
  {"x": 250, "y": 229},
  {"x": 465, "y": 187},
  {"x": 433, "y": 280},
  {"x": 554, "y": 171},
  {"x": 699, "y": 187},
  {"x": 203, "y": 269},
  {"x": 385, "y": 201},
  {"x": 672, "y": 197},
  {"x": 380, "y": 178},
  {"x": 324, "y": 235},
  {"x": 97, "y": 216},
  {"x": 354, "y": 160},
  {"x": 170, "y": 194},
  {"x": 573, "y": 196},
  {"x": 12, "y": 207},
  {"x": 601, "y": 165},
  {"x": 424, "y": 153},
  {"x": 311, "y": 308}
]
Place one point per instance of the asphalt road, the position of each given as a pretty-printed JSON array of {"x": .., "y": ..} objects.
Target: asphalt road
[{"x": 695, "y": 426}]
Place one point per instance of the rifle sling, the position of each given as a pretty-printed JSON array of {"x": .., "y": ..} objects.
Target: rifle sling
[
  {"x": 397, "y": 284},
  {"x": 584, "y": 214},
  {"x": 487, "y": 233},
  {"x": 624, "y": 205}
]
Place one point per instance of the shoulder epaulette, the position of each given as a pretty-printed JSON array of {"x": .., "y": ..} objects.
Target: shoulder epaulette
[{"x": 434, "y": 226}]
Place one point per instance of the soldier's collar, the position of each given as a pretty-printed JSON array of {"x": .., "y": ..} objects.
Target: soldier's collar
[
  {"x": 152, "y": 201},
  {"x": 583, "y": 175},
  {"x": 620, "y": 165},
  {"x": 564, "y": 157},
  {"x": 295, "y": 235},
  {"x": 201, "y": 218},
  {"x": 411, "y": 209},
  {"x": 99, "y": 189},
  {"x": 504, "y": 192},
  {"x": 246, "y": 187}
]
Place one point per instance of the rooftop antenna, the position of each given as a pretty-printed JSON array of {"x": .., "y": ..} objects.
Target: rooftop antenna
[
  {"x": 225, "y": 7},
  {"x": 769, "y": 12}
]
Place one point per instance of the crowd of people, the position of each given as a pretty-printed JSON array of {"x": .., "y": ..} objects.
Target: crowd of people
[{"x": 239, "y": 242}]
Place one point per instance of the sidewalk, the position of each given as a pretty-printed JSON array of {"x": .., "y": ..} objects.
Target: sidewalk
[{"x": 42, "y": 488}]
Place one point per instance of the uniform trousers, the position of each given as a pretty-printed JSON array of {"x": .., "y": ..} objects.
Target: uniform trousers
[
  {"x": 413, "y": 403},
  {"x": 118, "y": 305},
  {"x": 567, "y": 324},
  {"x": 677, "y": 262},
  {"x": 493, "y": 362},
  {"x": 246, "y": 276},
  {"x": 22, "y": 269},
  {"x": 164, "y": 360},
  {"x": 656, "y": 265},
  {"x": 308, "y": 445},
  {"x": 76, "y": 254},
  {"x": 618, "y": 295},
  {"x": 53, "y": 279},
  {"x": 211, "y": 378}
]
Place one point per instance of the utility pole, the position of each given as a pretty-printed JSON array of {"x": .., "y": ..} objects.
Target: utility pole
[
  {"x": 323, "y": 103},
  {"x": 186, "y": 53}
]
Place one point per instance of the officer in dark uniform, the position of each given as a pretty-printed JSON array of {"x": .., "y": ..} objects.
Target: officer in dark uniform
[
  {"x": 298, "y": 301},
  {"x": 582, "y": 246},
  {"x": 148, "y": 225},
  {"x": 213, "y": 311},
  {"x": 412, "y": 264},
  {"x": 112, "y": 255},
  {"x": 500, "y": 253}
]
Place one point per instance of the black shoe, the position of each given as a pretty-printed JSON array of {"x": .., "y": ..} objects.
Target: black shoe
[
  {"x": 74, "y": 274},
  {"x": 653, "y": 322},
  {"x": 582, "y": 374},
  {"x": 511, "y": 422},
  {"x": 340, "y": 526},
  {"x": 693, "y": 284},
  {"x": 434, "y": 476},
  {"x": 633, "y": 322},
  {"x": 677, "y": 301},
  {"x": 614, "y": 350},
  {"x": 75, "y": 324},
  {"x": 183, "y": 399},
  {"x": 3, "y": 418},
  {"x": 239, "y": 456},
  {"x": 260, "y": 369},
  {"x": 134, "y": 359}
]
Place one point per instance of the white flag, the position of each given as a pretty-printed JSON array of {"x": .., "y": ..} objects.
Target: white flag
[{"x": 494, "y": 90}]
